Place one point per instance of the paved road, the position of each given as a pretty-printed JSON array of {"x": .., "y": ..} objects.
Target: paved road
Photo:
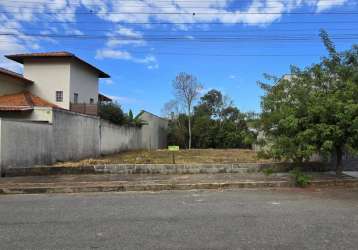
[{"x": 251, "y": 219}]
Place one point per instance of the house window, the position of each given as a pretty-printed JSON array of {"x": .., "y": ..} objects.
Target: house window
[
  {"x": 91, "y": 101},
  {"x": 59, "y": 96},
  {"x": 75, "y": 97}
]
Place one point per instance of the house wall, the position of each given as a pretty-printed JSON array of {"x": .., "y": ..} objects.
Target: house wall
[
  {"x": 154, "y": 134},
  {"x": 50, "y": 75},
  {"x": 10, "y": 85},
  {"x": 119, "y": 138},
  {"x": 84, "y": 82}
]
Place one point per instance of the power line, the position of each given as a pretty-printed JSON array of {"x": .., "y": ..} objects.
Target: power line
[
  {"x": 168, "y": 6},
  {"x": 191, "y": 32},
  {"x": 180, "y": 13},
  {"x": 183, "y": 38},
  {"x": 191, "y": 23},
  {"x": 168, "y": 2},
  {"x": 159, "y": 1},
  {"x": 209, "y": 54}
]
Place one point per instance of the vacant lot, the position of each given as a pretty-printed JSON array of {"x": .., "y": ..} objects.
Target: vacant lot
[{"x": 183, "y": 156}]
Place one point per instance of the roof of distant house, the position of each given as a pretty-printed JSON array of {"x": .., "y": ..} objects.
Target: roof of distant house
[
  {"x": 23, "y": 101},
  {"x": 58, "y": 54},
  {"x": 144, "y": 111},
  {"x": 104, "y": 98},
  {"x": 15, "y": 76}
]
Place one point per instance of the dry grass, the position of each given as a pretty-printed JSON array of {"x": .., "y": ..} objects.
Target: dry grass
[{"x": 164, "y": 156}]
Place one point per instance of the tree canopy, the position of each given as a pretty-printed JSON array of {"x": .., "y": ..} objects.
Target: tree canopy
[
  {"x": 216, "y": 123},
  {"x": 314, "y": 110}
]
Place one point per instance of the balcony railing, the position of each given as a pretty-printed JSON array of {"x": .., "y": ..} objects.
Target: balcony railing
[{"x": 84, "y": 108}]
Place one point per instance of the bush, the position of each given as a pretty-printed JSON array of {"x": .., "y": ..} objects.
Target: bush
[
  {"x": 267, "y": 171},
  {"x": 112, "y": 112},
  {"x": 300, "y": 179}
]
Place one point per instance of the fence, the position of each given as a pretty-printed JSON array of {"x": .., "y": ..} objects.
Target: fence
[{"x": 84, "y": 108}]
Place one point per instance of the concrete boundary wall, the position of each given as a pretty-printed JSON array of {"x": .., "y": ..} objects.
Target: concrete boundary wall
[
  {"x": 71, "y": 136},
  {"x": 24, "y": 144},
  {"x": 115, "y": 138},
  {"x": 75, "y": 136}
]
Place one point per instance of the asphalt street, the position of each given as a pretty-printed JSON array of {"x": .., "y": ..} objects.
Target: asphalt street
[{"x": 236, "y": 219}]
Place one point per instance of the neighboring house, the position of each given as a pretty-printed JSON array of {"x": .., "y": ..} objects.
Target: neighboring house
[
  {"x": 41, "y": 128},
  {"x": 59, "y": 78}
]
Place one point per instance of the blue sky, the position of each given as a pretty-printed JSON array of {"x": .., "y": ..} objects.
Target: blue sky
[{"x": 143, "y": 44}]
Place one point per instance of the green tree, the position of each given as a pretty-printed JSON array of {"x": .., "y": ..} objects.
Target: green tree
[
  {"x": 314, "y": 110},
  {"x": 112, "y": 112}
]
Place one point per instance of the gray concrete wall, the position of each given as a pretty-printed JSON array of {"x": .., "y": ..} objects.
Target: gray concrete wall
[
  {"x": 24, "y": 144},
  {"x": 119, "y": 138},
  {"x": 72, "y": 136},
  {"x": 75, "y": 136},
  {"x": 39, "y": 114},
  {"x": 154, "y": 134}
]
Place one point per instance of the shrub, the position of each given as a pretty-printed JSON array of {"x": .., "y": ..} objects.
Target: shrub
[
  {"x": 300, "y": 179},
  {"x": 112, "y": 112},
  {"x": 267, "y": 171}
]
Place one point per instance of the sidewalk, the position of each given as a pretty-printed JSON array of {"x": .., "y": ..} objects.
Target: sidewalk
[{"x": 134, "y": 182}]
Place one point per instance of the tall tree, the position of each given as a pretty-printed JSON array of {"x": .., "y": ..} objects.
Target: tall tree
[
  {"x": 314, "y": 110},
  {"x": 187, "y": 89}
]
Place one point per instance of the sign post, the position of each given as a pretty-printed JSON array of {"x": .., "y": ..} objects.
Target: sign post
[{"x": 173, "y": 149}]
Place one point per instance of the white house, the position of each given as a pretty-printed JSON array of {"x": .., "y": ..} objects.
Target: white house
[{"x": 59, "y": 79}]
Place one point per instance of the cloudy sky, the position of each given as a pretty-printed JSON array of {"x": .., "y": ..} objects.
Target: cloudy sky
[{"x": 143, "y": 44}]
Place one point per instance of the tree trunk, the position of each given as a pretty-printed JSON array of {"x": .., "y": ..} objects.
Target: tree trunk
[
  {"x": 189, "y": 125},
  {"x": 339, "y": 165}
]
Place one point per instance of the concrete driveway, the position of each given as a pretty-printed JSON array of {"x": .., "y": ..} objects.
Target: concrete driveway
[{"x": 240, "y": 219}]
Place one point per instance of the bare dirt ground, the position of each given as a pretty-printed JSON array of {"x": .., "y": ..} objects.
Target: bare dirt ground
[{"x": 194, "y": 156}]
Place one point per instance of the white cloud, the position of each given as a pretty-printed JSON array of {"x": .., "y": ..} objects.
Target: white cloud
[
  {"x": 325, "y": 5},
  {"x": 18, "y": 13},
  {"x": 232, "y": 77},
  {"x": 113, "y": 54},
  {"x": 149, "y": 60},
  {"x": 108, "y": 81},
  {"x": 125, "y": 99}
]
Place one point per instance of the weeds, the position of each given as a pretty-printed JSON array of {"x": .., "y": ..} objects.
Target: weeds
[{"x": 300, "y": 179}]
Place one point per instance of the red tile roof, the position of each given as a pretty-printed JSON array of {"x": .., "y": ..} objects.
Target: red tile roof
[
  {"x": 64, "y": 54},
  {"x": 23, "y": 101},
  {"x": 15, "y": 76}
]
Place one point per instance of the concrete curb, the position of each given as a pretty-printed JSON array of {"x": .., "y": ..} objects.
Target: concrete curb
[
  {"x": 125, "y": 187},
  {"x": 150, "y": 169}
]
